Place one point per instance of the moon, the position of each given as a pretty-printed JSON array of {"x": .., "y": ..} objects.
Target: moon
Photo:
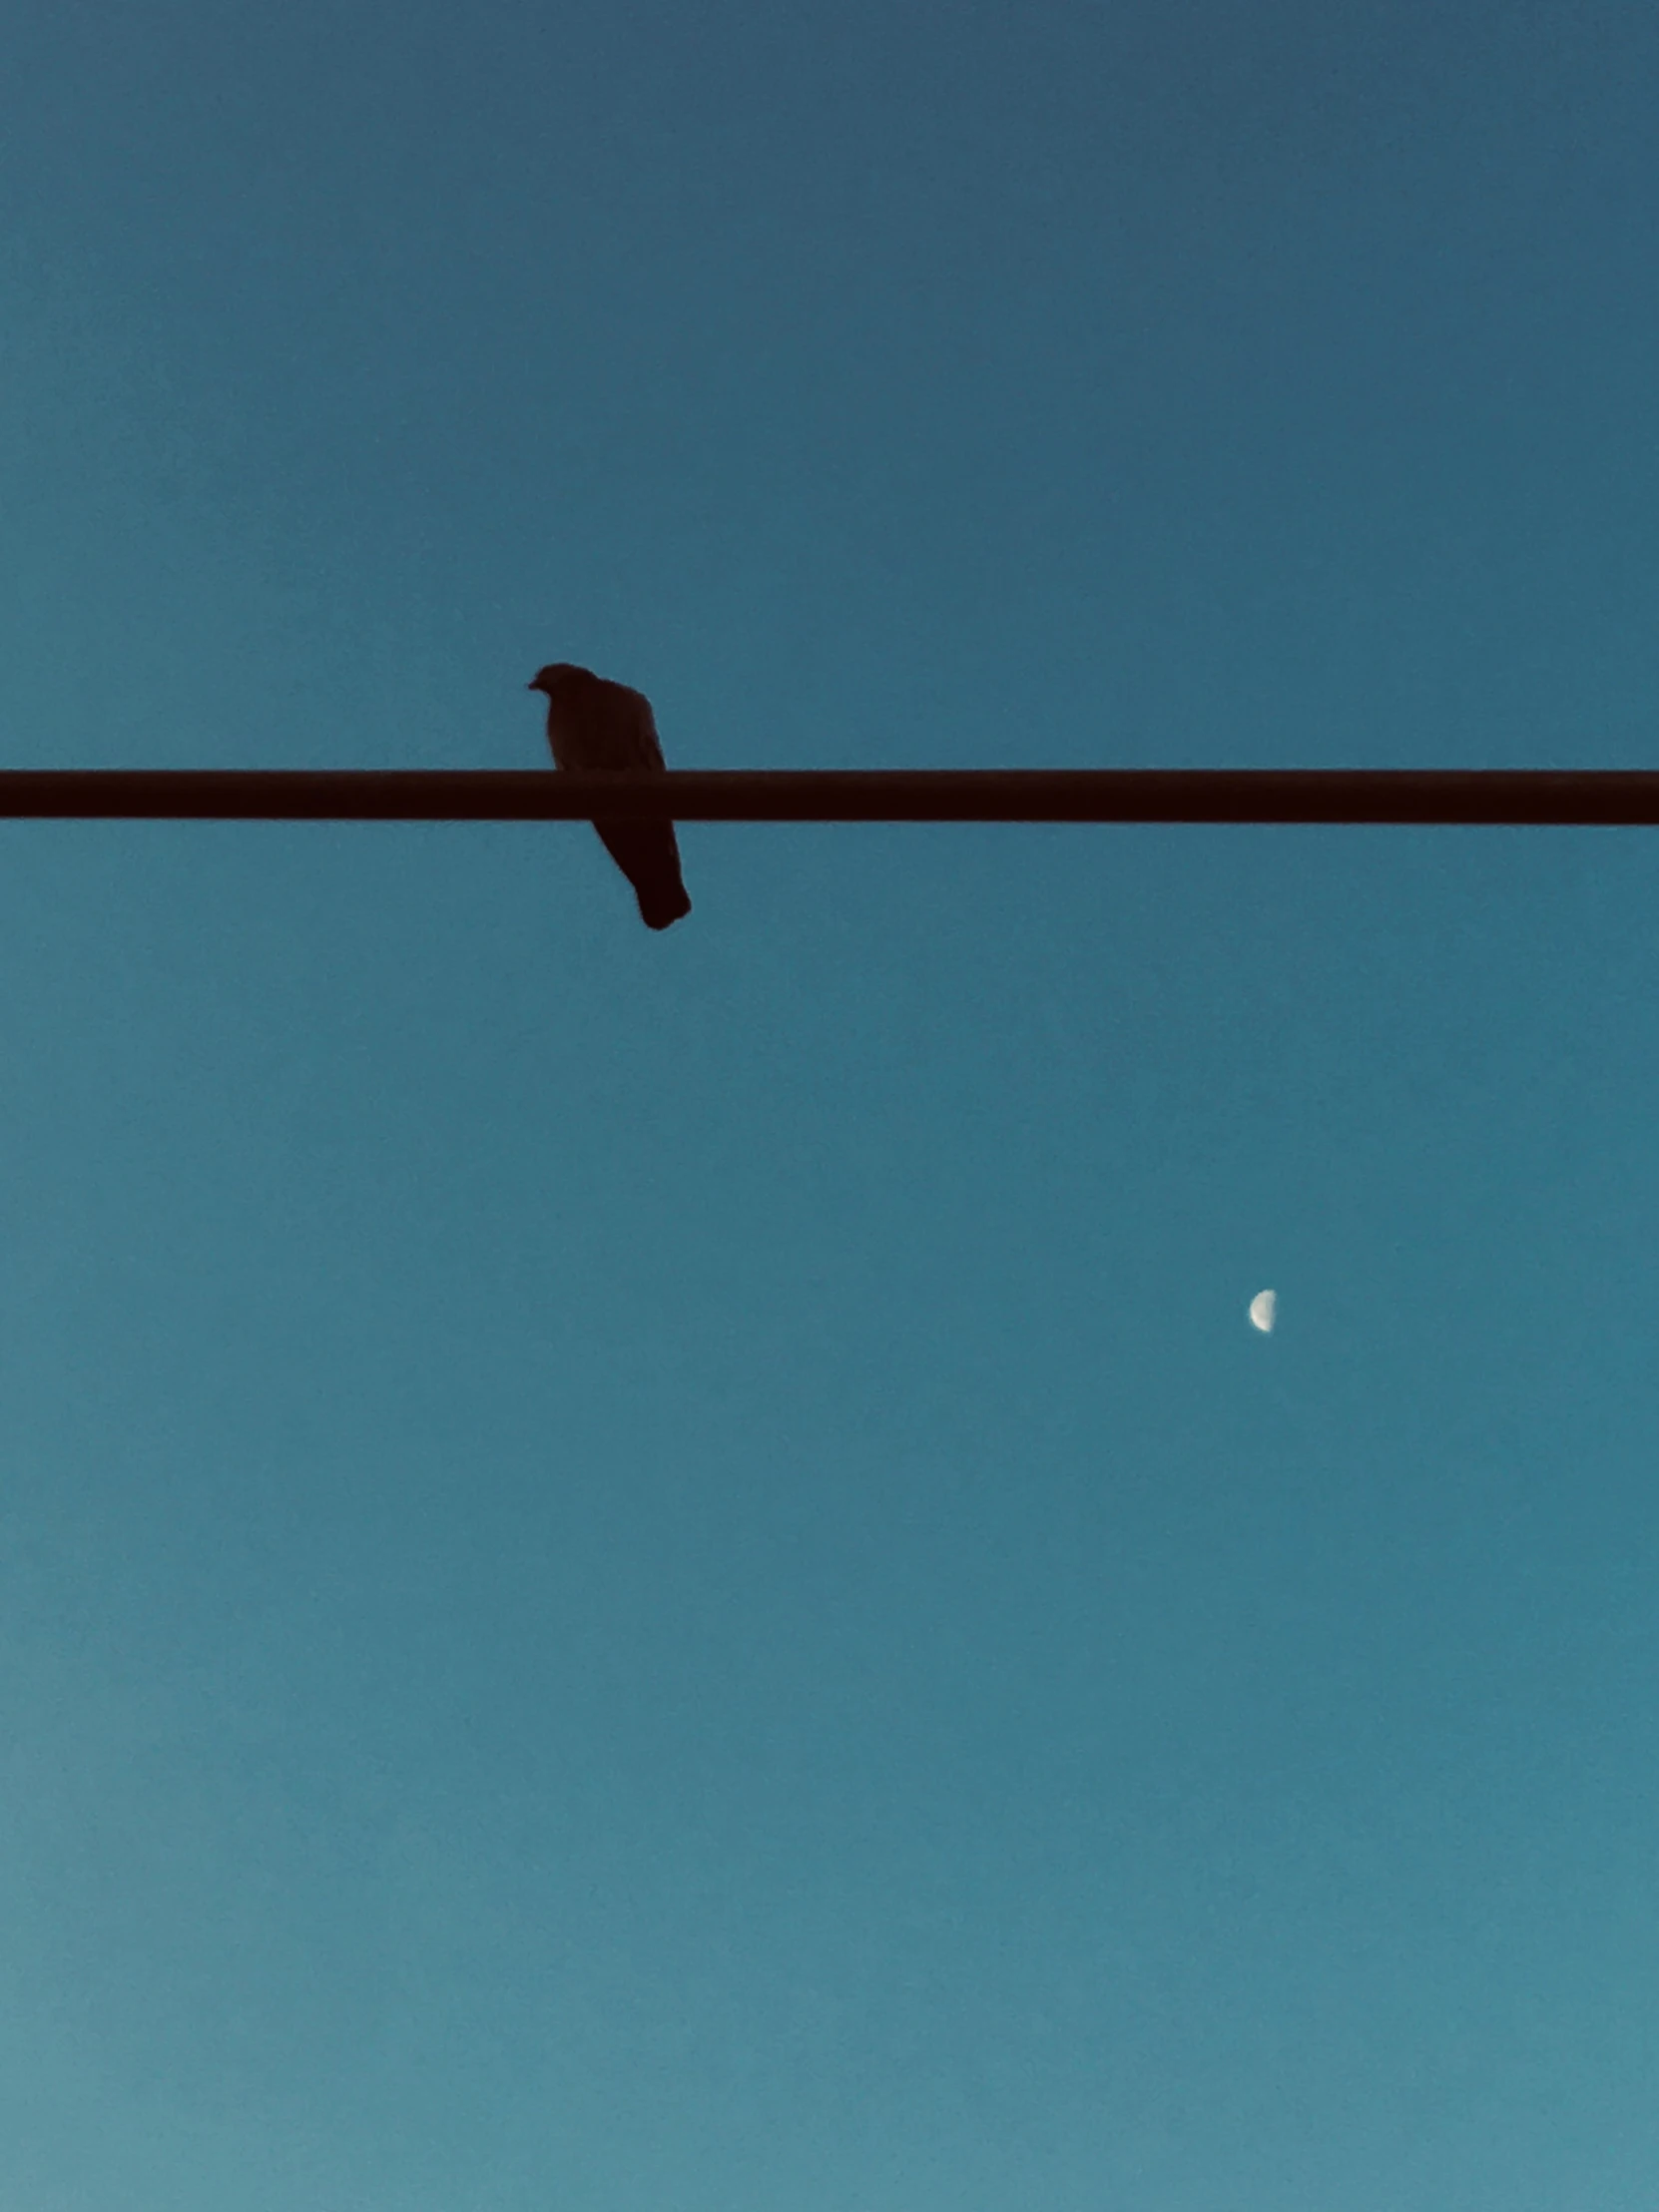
[{"x": 1263, "y": 1311}]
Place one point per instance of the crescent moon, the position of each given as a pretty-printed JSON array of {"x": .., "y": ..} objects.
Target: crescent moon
[{"x": 1263, "y": 1311}]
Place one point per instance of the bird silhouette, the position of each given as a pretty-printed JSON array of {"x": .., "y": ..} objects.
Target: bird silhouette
[{"x": 592, "y": 724}]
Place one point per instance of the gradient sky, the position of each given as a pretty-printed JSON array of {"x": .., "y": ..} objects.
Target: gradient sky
[{"x": 662, "y": 1574}]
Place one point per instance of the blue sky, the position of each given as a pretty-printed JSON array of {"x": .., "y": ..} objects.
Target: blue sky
[{"x": 645, "y": 1574}]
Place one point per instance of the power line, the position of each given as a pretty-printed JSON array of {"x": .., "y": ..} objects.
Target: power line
[{"x": 1588, "y": 796}]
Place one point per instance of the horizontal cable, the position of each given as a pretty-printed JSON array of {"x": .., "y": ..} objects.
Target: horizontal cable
[{"x": 1609, "y": 796}]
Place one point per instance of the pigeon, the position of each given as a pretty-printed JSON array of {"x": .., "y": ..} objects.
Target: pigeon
[{"x": 592, "y": 724}]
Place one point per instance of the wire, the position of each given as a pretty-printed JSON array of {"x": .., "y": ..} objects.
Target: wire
[{"x": 1590, "y": 797}]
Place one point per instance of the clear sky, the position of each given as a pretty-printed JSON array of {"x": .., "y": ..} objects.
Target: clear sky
[{"x": 662, "y": 1574}]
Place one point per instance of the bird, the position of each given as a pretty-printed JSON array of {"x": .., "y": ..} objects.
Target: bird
[{"x": 595, "y": 723}]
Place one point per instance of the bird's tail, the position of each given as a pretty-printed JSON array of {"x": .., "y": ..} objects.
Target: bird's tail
[
  {"x": 648, "y": 853},
  {"x": 662, "y": 906}
]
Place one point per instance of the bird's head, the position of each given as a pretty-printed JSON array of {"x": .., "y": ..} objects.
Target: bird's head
[{"x": 554, "y": 674}]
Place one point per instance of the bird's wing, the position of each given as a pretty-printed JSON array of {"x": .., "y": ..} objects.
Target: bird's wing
[
  {"x": 638, "y": 744},
  {"x": 603, "y": 726}
]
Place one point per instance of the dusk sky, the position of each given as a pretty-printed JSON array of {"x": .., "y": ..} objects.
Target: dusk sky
[{"x": 662, "y": 1573}]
